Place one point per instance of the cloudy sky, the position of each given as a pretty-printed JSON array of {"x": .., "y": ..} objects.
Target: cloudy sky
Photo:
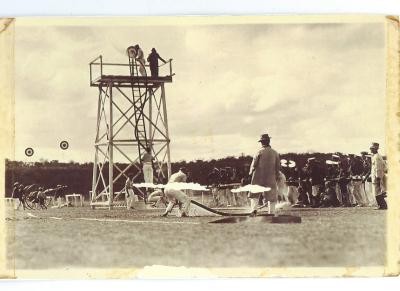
[{"x": 312, "y": 87}]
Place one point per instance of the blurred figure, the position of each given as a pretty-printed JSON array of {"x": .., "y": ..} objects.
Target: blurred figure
[
  {"x": 287, "y": 185},
  {"x": 59, "y": 194},
  {"x": 140, "y": 59},
  {"x": 157, "y": 197},
  {"x": 40, "y": 198},
  {"x": 214, "y": 181},
  {"x": 213, "y": 177},
  {"x": 18, "y": 192},
  {"x": 230, "y": 179},
  {"x": 129, "y": 193},
  {"x": 135, "y": 52},
  {"x": 265, "y": 171},
  {"x": 292, "y": 184},
  {"x": 147, "y": 160},
  {"x": 369, "y": 195},
  {"x": 245, "y": 177},
  {"x": 317, "y": 176},
  {"x": 282, "y": 188},
  {"x": 177, "y": 197},
  {"x": 304, "y": 187},
  {"x": 153, "y": 60},
  {"x": 225, "y": 179},
  {"x": 378, "y": 168},
  {"x": 343, "y": 180},
  {"x": 356, "y": 172},
  {"x": 329, "y": 198}
]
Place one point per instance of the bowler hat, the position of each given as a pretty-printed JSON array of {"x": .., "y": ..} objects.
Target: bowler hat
[{"x": 264, "y": 137}]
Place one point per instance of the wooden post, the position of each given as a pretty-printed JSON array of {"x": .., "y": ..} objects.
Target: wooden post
[
  {"x": 150, "y": 117},
  {"x": 166, "y": 128},
  {"x": 110, "y": 151},
  {"x": 94, "y": 175}
]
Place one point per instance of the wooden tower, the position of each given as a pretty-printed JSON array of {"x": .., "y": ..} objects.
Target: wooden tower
[{"x": 131, "y": 115}]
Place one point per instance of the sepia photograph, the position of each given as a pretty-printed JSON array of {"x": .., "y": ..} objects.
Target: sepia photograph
[{"x": 233, "y": 144}]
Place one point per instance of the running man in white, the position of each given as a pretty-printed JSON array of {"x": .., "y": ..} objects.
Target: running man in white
[{"x": 176, "y": 196}]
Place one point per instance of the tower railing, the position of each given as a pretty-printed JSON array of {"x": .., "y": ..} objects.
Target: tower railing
[{"x": 99, "y": 69}]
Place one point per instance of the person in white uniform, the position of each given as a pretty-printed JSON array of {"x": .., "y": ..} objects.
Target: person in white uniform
[
  {"x": 378, "y": 169},
  {"x": 140, "y": 59},
  {"x": 175, "y": 196},
  {"x": 130, "y": 195},
  {"x": 147, "y": 160}
]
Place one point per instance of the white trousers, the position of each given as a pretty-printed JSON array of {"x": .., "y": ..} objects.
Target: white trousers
[
  {"x": 357, "y": 193},
  {"x": 148, "y": 173},
  {"x": 176, "y": 195},
  {"x": 130, "y": 197}
]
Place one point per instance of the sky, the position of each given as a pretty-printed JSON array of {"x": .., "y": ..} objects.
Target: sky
[{"x": 311, "y": 87}]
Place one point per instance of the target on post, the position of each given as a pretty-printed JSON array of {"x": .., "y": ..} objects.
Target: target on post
[
  {"x": 29, "y": 152},
  {"x": 64, "y": 145}
]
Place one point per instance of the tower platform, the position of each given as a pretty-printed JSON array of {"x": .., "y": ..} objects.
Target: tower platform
[
  {"x": 120, "y": 75},
  {"x": 129, "y": 81}
]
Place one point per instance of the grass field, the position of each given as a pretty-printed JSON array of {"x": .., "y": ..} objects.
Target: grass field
[{"x": 81, "y": 237}]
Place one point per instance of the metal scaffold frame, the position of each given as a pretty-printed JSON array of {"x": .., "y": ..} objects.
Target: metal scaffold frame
[{"x": 131, "y": 115}]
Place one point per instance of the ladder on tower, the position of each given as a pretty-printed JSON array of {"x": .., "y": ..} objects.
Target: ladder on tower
[{"x": 139, "y": 98}]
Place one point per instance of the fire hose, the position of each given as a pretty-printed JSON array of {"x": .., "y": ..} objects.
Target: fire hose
[{"x": 221, "y": 212}]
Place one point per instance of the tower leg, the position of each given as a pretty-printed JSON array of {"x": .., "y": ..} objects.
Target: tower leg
[
  {"x": 166, "y": 129},
  {"x": 110, "y": 152}
]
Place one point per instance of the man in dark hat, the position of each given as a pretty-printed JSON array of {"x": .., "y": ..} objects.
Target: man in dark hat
[
  {"x": 378, "y": 168},
  {"x": 153, "y": 60},
  {"x": 265, "y": 171}
]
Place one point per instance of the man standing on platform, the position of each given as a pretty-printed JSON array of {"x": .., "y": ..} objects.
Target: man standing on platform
[
  {"x": 153, "y": 60},
  {"x": 140, "y": 59},
  {"x": 265, "y": 171},
  {"x": 378, "y": 168}
]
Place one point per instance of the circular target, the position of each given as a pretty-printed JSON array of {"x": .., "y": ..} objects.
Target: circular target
[
  {"x": 29, "y": 152},
  {"x": 64, "y": 145}
]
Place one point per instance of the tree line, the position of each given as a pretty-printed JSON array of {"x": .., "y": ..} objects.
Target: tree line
[{"x": 78, "y": 176}]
